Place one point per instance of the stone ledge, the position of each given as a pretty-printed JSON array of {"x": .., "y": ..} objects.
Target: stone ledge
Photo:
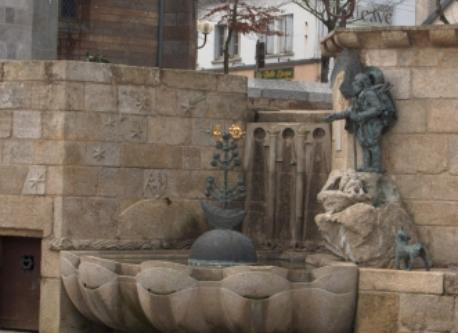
[
  {"x": 395, "y": 37},
  {"x": 419, "y": 282},
  {"x": 100, "y": 73}
]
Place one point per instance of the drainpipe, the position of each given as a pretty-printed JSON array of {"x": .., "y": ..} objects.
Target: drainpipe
[{"x": 160, "y": 34}]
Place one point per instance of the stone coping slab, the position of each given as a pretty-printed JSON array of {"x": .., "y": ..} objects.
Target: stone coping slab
[
  {"x": 394, "y": 37},
  {"x": 100, "y": 73},
  {"x": 421, "y": 282}
]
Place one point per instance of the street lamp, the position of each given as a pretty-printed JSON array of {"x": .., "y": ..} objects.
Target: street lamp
[{"x": 205, "y": 28}]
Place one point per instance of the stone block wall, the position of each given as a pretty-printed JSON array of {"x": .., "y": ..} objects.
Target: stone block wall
[
  {"x": 405, "y": 302},
  {"x": 97, "y": 156},
  {"x": 421, "y": 151}
]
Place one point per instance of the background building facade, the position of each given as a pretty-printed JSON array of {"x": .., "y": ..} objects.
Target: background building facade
[
  {"x": 158, "y": 33},
  {"x": 297, "y": 50}
]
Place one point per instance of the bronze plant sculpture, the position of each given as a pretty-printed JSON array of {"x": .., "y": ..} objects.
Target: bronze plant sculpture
[
  {"x": 223, "y": 246},
  {"x": 371, "y": 114}
]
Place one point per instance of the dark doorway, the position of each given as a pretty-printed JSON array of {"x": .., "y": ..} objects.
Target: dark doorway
[{"x": 19, "y": 283}]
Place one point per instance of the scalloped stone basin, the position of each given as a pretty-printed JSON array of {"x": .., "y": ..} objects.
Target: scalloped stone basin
[{"x": 163, "y": 296}]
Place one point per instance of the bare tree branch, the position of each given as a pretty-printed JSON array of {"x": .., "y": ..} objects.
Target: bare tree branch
[{"x": 440, "y": 12}]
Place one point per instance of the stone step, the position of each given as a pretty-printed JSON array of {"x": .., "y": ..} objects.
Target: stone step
[{"x": 292, "y": 116}]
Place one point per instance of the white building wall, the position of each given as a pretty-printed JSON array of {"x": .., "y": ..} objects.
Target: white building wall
[{"x": 303, "y": 48}]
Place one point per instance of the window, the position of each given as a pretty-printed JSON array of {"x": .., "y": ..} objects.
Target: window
[
  {"x": 221, "y": 32},
  {"x": 281, "y": 43},
  {"x": 285, "y": 40}
]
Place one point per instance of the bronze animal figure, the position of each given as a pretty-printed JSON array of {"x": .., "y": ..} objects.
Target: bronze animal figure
[{"x": 408, "y": 252}]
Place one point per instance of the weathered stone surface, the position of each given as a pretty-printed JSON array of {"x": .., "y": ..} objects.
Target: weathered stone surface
[
  {"x": 232, "y": 84},
  {"x": 133, "y": 128},
  {"x": 434, "y": 213},
  {"x": 377, "y": 312},
  {"x": 440, "y": 241},
  {"x": 228, "y": 106},
  {"x": 37, "y": 216},
  {"x": 451, "y": 283},
  {"x": 50, "y": 261},
  {"x": 50, "y": 290},
  {"x": 55, "y": 181},
  {"x": 27, "y": 124},
  {"x": 35, "y": 182},
  {"x": 160, "y": 219},
  {"x": 400, "y": 281},
  {"x": 401, "y": 79},
  {"x": 166, "y": 101},
  {"x": 12, "y": 179},
  {"x": 82, "y": 71},
  {"x": 100, "y": 97},
  {"x": 120, "y": 182},
  {"x": 89, "y": 218},
  {"x": 409, "y": 154},
  {"x": 363, "y": 214},
  {"x": 57, "y": 96},
  {"x": 169, "y": 130},
  {"x": 192, "y": 103},
  {"x": 189, "y": 80},
  {"x": 79, "y": 180},
  {"x": 136, "y": 99},
  {"x": 33, "y": 152},
  {"x": 380, "y": 58},
  {"x": 428, "y": 187},
  {"x": 442, "y": 116},
  {"x": 192, "y": 158},
  {"x": 5, "y": 124},
  {"x": 136, "y": 75},
  {"x": 151, "y": 156},
  {"x": 14, "y": 95},
  {"x": 419, "y": 57},
  {"x": 53, "y": 125},
  {"x": 453, "y": 154},
  {"x": 426, "y": 312},
  {"x": 411, "y": 116},
  {"x": 25, "y": 71},
  {"x": 90, "y": 126},
  {"x": 445, "y": 81},
  {"x": 107, "y": 154}
]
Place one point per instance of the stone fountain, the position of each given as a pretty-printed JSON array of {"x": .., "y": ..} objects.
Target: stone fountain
[{"x": 222, "y": 289}]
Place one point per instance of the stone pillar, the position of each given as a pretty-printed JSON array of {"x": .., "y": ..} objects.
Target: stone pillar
[{"x": 29, "y": 29}]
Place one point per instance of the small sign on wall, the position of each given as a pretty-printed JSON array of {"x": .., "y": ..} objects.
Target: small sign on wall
[{"x": 276, "y": 73}]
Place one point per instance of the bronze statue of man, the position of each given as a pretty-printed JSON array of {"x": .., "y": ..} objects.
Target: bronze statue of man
[{"x": 371, "y": 114}]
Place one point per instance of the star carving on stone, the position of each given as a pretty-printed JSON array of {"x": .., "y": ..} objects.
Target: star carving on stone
[
  {"x": 36, "y": 181},
  {"x": 111, "y": 122},
  {"x": 191, "y": 104},
  {"x": 136, "y": 133},
  {"x": 99, "y": 153}
]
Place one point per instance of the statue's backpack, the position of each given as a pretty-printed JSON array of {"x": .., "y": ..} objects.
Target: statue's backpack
[{"x": 382, "y": 89}]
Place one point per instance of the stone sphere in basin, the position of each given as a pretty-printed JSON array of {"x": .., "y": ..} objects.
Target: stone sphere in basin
[{"x": 222, "y": 247}]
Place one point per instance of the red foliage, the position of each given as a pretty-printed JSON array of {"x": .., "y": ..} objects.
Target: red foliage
[{"x": 247, "y": 18}]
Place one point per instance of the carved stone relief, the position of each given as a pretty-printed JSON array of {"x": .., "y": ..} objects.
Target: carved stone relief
[
  {"x": 155, "y": 183},
  {"x": 286, "y": 165}
]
